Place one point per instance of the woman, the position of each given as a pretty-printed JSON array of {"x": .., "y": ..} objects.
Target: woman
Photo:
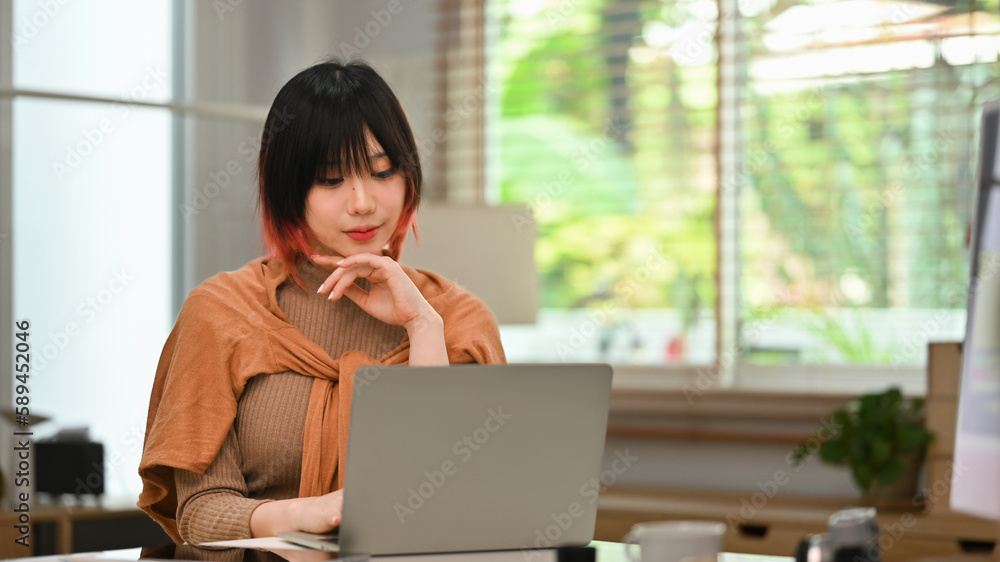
[{"x": 247, "y": 427}]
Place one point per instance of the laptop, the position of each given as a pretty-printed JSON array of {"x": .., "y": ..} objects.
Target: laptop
[{"x": 472, "y": 458}]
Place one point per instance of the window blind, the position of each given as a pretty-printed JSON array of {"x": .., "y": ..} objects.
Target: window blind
[{"x": 857, "y": 124}]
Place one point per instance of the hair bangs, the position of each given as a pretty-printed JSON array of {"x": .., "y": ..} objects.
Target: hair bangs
[
  {"x": 344, "y": 147},
  {"x": 354, "y": 120}
]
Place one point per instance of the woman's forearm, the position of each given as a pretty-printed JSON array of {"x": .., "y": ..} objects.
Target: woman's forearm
[
  {"x": 271, "y": 518},
  {"x": 427, "y": 345}
]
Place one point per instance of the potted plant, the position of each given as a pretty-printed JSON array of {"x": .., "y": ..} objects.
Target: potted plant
[{"x": 881, "y": 437}]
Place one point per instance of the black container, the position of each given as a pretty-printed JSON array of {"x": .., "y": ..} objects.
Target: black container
[{"x": 64, "y": 467}]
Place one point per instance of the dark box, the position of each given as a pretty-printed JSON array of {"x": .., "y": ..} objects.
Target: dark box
[{"x": 69, "y": 467}]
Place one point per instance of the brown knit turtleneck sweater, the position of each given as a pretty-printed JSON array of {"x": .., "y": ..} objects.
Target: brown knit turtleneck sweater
[{"x": 261, "y": 458}]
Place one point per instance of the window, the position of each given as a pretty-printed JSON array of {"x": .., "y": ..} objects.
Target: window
[
  {"x": 860, "y": 141},
  {"x": 610, "y": 142},
  {"x": 92, "y": 173},
  {"x": 811, "y": 183}
]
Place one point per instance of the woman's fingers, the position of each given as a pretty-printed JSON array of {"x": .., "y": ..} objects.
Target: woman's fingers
[
  {"x": 367, "y": 266},
  {"x": 344, "y": 265},
  {"x": 336, "y": 500},
  {"x": 328, "y": 261},
  {"x": 392, "y": 297},
  {"x": 343, "y": 282},
  {"x": 322, "y": 513},
  {"x": 356, "y": 294},
  {"x": 370, "y": 259}
]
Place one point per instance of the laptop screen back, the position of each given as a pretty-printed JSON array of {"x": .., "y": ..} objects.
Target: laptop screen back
[{"x": 474, "y": 457}]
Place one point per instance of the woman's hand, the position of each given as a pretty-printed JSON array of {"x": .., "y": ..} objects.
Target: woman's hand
[
  {"x": 319, "y": 514},
  {"x": 393, "y": 298}
]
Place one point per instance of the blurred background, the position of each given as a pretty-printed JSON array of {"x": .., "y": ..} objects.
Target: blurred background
[{"x": 776, "y": 192}]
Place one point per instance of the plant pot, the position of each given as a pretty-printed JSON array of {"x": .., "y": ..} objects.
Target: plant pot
[{"x": 900, "y": 492}]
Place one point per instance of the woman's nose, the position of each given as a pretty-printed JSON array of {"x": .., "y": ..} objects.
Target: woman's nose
[{"x": 361, "y": 201}]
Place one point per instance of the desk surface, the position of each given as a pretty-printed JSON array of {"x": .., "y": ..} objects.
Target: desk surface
[{"x": 606, "y": 552}]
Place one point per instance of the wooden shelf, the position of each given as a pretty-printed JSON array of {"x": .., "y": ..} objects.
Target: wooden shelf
[
  {"x": 64, "y": 519},
  {"x": 757, "y": 524}
]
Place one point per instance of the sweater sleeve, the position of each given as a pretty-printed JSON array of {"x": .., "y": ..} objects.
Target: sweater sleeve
[{"x": 214, "y": 506}]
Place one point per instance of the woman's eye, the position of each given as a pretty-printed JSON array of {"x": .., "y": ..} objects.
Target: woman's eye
[
  {"x": 330, "y": 182},
  {"x": 385, "y": 174}
]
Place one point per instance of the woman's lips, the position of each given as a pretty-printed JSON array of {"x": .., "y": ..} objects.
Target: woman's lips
[{"x": 363, "y": 235}]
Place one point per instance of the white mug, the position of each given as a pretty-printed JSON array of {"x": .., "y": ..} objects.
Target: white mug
[{"x": 676, "y": 541}]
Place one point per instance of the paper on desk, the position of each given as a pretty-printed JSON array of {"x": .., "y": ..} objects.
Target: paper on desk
[{"x": 262, "y": 542}]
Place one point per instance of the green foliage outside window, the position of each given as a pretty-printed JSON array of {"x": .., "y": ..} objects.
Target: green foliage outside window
[
  {"x": 854, "y": 188},
  {"x": 615, "y": 201}
]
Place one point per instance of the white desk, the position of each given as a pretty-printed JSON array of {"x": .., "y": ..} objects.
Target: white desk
[{"x": 606, "y": 552}]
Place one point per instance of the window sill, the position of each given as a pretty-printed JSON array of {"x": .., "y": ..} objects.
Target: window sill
[{"x": 770, "y": 404}]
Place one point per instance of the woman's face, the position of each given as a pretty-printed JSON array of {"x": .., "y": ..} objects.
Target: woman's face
[{"x": 352, "y": 214}]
